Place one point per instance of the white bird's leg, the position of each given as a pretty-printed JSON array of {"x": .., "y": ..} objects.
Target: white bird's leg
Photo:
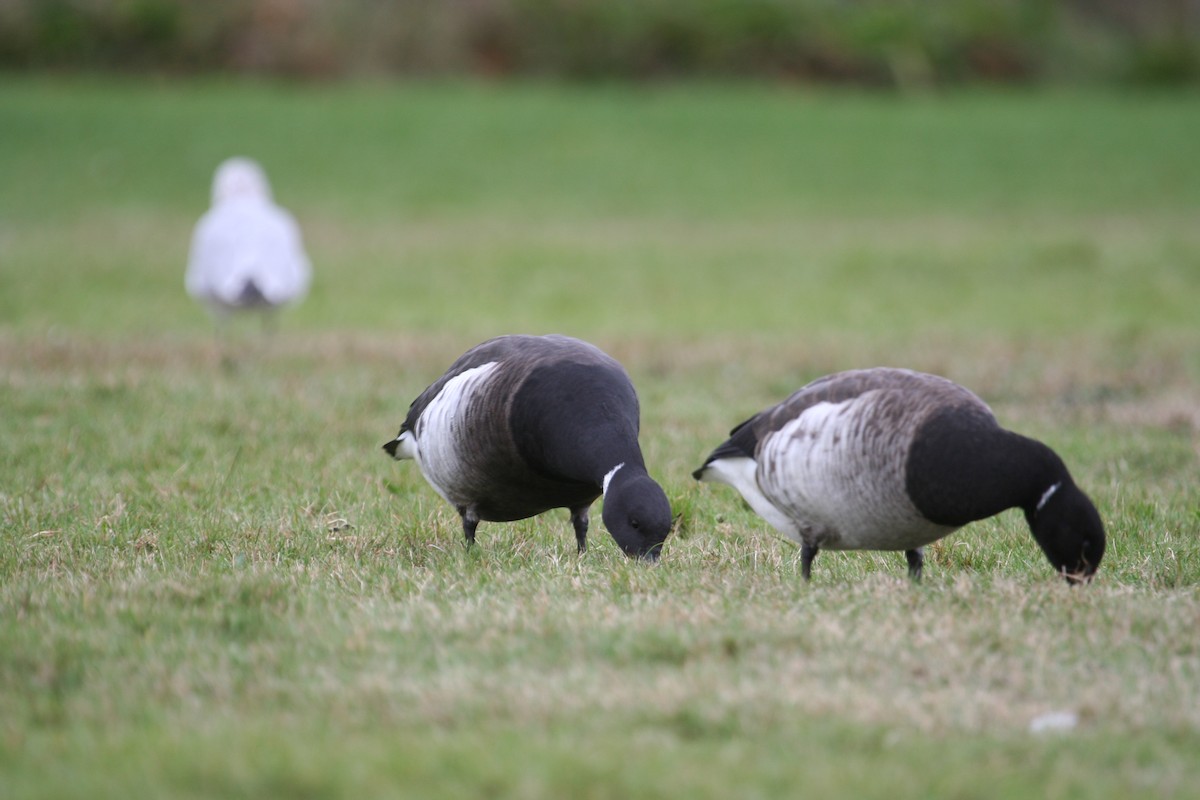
[
  {"x": 579, "y": 518},
  {"x": 807, "y": 553},
  {"x": 223, "y": 339},
  {"x": 916, "y": 560},
  {"x": 270, "y": 322}
]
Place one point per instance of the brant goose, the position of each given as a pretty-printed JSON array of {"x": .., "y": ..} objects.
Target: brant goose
[
  {"x": 889, "y": 459},
  {"x": 522, "y": 424},
  {"x": 246, "y": 251}
]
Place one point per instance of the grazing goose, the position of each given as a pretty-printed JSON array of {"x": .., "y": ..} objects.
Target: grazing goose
[
  {"x": 246, "y": 251},
  {"x": 522, "y": 424},
  {"x": 888, "y": 459}
]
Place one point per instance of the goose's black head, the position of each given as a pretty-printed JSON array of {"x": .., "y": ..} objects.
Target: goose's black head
[
  {"x": 637, "y": 514},
  {"x": 1067, "y": 526}
]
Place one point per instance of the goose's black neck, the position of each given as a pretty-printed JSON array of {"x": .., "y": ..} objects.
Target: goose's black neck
[
  {"x": 963, "y": 467},
  {"x": 577, "y": 422},
  {"x": 623, "y": 473}
]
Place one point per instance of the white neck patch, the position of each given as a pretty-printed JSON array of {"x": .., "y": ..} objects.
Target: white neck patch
[
  {"x": 608, "y": 478},
  {"x": 1046, "y": 495}
]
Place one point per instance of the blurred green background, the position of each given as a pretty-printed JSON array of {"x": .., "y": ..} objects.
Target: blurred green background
[
  {"x": 905, "y": 43},
  {"x": 681, "y": 209}
]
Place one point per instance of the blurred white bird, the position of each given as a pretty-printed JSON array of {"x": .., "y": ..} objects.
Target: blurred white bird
[{"x": 246, "y": 251}]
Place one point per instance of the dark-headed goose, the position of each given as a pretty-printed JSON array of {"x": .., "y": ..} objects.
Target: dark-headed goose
[
  {"x": 888, "y": 459},
  {"x": 522, "y": 424}
]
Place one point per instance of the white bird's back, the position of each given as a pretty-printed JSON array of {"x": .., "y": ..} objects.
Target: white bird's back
[{"x": 246, "y": 251}]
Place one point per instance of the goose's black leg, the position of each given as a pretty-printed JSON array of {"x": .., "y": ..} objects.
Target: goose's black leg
[
  {"x": 579, "y": 518},
  {"x": 916, "y": 560},
  {"x": 470, "y": 520},
  {"x": 807, "y": 553}
]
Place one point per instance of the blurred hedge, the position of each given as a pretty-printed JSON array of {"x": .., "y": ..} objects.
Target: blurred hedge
[{"x": 902, "y": 43}]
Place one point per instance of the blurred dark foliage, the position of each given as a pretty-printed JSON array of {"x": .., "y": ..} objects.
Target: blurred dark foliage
[{"x": 902, "y": 43}]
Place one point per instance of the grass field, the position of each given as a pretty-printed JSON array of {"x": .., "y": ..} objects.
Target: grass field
[{"x": 214, "y": 584}]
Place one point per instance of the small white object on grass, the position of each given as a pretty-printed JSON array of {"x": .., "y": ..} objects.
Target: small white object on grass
[
  {"x": 246, "y": 251},
  {"x": 1054, "y": 722}
]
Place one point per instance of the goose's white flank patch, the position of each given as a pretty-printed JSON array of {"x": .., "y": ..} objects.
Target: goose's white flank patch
[
  {"x": 1047, "y": 495},
  {"x": 741, "y": 474},
  {"x": 609, "y": 476},
  {"x": 455, "y": 396},
  {"x": 841, "y": 480},
  {"x": 441, "y": 453}
]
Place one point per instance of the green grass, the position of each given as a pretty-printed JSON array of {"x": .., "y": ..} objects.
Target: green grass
[
  {"x": 214, "y": 583},
  {"x": 963, "y": 211}
]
